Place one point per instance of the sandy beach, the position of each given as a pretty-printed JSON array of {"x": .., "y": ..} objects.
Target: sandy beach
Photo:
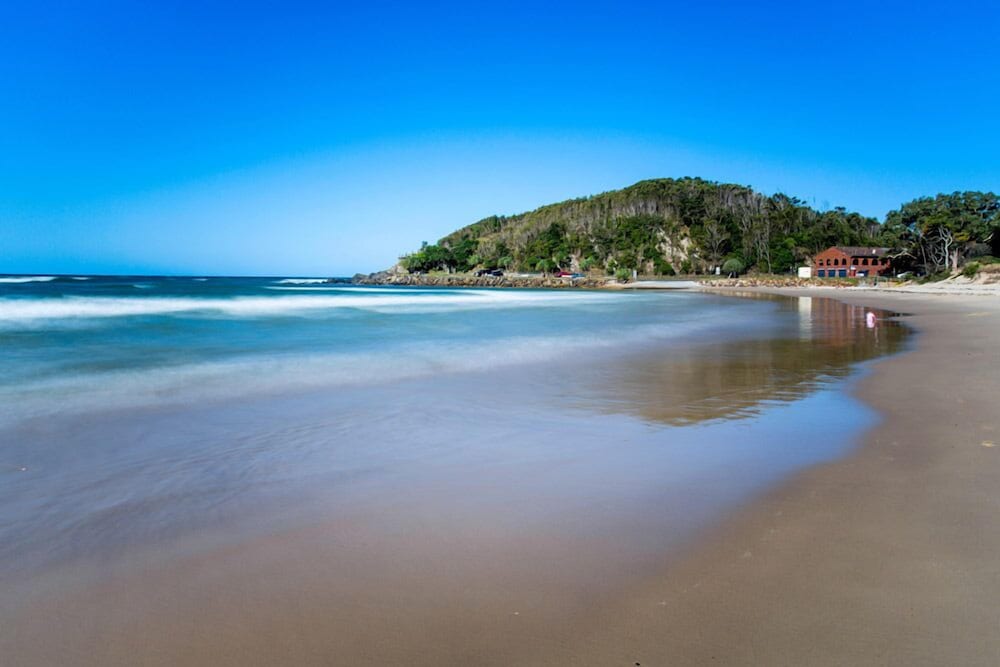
[
  {"x": 887, "y": 557},
  {"x": 499, "y": 335}
]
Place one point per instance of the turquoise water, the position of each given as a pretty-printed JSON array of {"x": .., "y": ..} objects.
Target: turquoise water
[
  {"x": 181, "y": 414},
  {"x": 87, "y": 342}
]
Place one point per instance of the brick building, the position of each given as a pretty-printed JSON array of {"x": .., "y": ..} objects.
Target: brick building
[{"x": 850, "y": 262}]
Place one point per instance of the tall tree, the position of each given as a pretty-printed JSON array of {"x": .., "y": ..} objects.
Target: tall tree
[{"x": 940, "y": 231}]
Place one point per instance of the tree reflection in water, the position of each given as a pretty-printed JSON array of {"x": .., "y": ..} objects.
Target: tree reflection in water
[{"x": 735, "y": 379}]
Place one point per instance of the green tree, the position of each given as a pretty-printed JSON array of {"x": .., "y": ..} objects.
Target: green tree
[
  {"x": 938, "y": 232},
  {"x": 545, "y": 265},
  {"x": 733, "y": 266}
]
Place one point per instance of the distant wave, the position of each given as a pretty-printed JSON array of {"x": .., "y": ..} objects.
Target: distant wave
[
  {"x": 27, "y": 279},
  {"x": 26, "y": 311},
  {"x": 81, "y": 277},
  {"x": 301, "y": 281}
]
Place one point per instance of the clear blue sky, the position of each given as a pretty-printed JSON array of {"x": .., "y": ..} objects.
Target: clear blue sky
[{"x": 292, "y": 138}]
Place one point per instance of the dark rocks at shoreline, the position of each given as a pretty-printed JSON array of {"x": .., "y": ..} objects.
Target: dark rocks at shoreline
[
  {"x": 586, "y": 282},
  {"x": 466, "y": 280},
  {"x": 790, "y": 281}
]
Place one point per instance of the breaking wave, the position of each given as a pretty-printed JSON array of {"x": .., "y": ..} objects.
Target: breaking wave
[
  {"x": 50, "y": 310},
  {"x": 27, "y": 279}
]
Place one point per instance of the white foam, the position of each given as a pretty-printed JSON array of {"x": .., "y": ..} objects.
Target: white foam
[
  {"x": 27, "y": 311},
  {"x": 27, "y": 279},
  {"x": 302, "y": 281}
]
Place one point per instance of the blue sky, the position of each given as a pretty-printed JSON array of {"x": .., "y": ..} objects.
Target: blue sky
[{"x": 317, "y": 139}]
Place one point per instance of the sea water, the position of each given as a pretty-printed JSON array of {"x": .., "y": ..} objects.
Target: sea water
[
  {"x": 146, "y": 420},
  {"x": 86, "y": 343}
]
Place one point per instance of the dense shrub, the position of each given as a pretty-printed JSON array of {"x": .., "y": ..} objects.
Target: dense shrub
[{"x": 662, "y": 268}]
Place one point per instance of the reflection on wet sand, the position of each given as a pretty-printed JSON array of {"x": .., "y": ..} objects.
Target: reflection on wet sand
[
  {"x": 465, "y": 522},
  {"x": 734, "y": 379}
]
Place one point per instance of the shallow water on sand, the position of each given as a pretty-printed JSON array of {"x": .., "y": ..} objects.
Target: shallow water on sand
[{"x": 411, "y": 464}]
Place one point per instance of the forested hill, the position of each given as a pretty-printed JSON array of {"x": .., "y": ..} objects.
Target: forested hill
[
  {"x": 690, "y": 225},
  {"x": 657, "y": 226}
]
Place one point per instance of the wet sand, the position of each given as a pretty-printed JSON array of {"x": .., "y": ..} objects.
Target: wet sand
[
  {"x": 886, "y": 556},
  {"x": 890, "y": 556}
]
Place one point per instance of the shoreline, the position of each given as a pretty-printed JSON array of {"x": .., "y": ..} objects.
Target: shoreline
[
  {"x": 886, "y": 556},
  {"x": 541, "y": 281},
  {"x": 825, "y": 566},
  {"x": 475, "y": 553},
  {"x": 957, "y": 285}
]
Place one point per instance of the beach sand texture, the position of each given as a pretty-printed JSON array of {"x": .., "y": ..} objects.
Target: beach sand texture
[{"x": 888, "y": 556}]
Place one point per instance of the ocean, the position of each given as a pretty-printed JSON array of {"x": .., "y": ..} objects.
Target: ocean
[
  {"x": 84, "y": 343},
  {"x": 149, "y": 423}
]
